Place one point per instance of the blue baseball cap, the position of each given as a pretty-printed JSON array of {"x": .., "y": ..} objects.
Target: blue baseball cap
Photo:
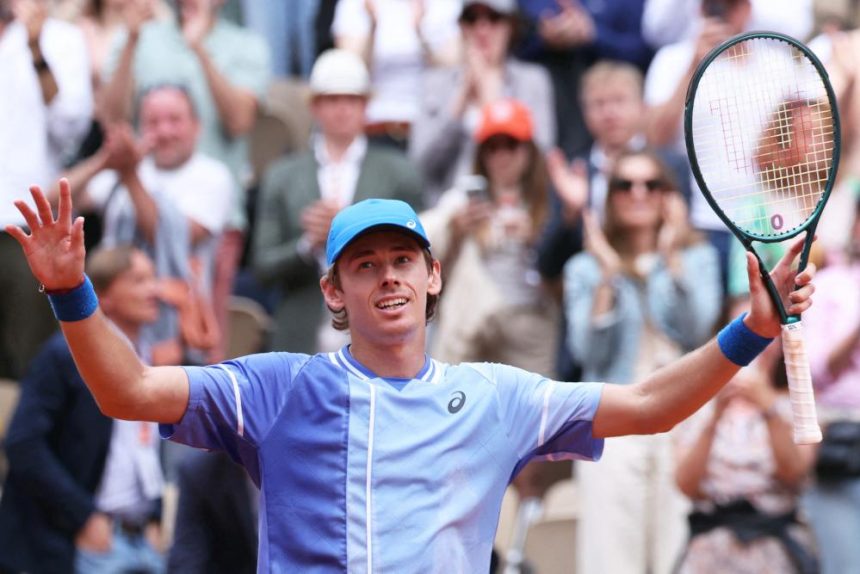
[{"x": 370, "y": 214}]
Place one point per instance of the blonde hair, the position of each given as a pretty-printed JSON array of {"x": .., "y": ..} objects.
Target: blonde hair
[
  {"x": 606, "y": 71},
  {"x": 614, "y": 233}
]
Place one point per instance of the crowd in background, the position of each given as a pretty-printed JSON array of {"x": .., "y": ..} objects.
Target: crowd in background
[{"x": 209, "y": 144}]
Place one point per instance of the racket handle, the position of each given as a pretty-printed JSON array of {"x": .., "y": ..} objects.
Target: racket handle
[{"x": 806, "y": 429}]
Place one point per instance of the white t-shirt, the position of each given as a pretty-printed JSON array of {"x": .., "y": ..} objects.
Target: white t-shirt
[
  {"x": 397, "y": 57},
  {"x": 201, "y": 189},
  {"x": 34, "y": 138}
]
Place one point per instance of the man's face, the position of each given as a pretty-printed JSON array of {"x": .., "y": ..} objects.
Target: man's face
[
  {"x": 132, "y": 298},
  {"x": 340, "y": 116},
  {"x": 167, "y": 123},
  {"x": 613, "y": 111},
  {"x": 384, "y": 283}
]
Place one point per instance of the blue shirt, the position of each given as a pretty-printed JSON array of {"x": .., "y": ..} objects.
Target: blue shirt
[{"x": 366, "y": 474}]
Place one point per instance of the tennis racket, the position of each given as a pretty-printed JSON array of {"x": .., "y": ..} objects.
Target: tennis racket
[{"x": 762, "y": 133}]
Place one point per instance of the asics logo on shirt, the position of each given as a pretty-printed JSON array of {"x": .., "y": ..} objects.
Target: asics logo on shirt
[{"x": 457, "y": 402}]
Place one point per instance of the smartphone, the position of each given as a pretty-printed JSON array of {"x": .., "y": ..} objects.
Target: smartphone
[{"x": 475, "y": 186}]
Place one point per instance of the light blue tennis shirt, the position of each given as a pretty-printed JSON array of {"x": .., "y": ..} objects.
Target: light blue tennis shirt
[{"x": 360, "y": 473}]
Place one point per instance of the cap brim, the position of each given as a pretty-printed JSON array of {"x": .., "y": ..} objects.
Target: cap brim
[{"x": 355, "y": 231}]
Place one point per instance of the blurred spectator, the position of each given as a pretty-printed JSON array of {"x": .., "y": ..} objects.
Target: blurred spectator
[
  {"x": 45, "y": 104},
  {"x": 668, "y": 21},
  {"x": 452, "y": 97},
  {"x": 612, "y": 104},
  {"x": 666, "y": 89},
  {"x": 495, "y": 308},
  {"x": 83, "y": 491},
  {"x": 302, "y": 193},
  {"x": 833, "y": 339},
  {"x": 101, "y": 21},
  {"x": 216, "y": 520},
  {"x": 288, "y": 27},
  {"x": 168, "y": 199},
  {"x": 397, "y": 39},
  {"x": 567, "y": 37},
  {"x": 645, "y": 290},
  {"x": 739, "y": 465},
  {"x": 613, "y": 108},
  {"x": 226, "y": 71}
]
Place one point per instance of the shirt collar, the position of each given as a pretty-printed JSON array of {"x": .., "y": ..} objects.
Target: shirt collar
[
  {"x": 354, "y": 153},
  {"x": 345, "y": 359}
]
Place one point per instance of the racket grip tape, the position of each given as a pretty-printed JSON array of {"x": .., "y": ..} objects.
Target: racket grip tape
[{"x": 806, "y": 429}]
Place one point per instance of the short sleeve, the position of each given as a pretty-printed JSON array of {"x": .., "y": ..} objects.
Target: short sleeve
[
  {"x": 233, "y": 405},
  {"x": 548, "y": 419}
]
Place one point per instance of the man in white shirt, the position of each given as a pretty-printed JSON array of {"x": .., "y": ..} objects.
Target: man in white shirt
[
  {"x": 46, "y": 104},
  {"x": 160, "y": 195}
]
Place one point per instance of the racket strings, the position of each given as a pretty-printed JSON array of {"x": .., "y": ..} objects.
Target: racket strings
[{"x": 764, "y": 135}]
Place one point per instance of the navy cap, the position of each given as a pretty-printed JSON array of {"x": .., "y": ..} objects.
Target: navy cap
[{"x": 365, "y": 215}]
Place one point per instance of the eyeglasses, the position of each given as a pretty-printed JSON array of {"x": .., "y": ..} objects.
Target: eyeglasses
[
  {"x": 471, "y": 16},
  {"x": 500, "y": 142},
  {"x": 626, "y": 185}
]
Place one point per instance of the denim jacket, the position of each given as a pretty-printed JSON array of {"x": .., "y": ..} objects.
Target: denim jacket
[{"x": 684, "y": 310}]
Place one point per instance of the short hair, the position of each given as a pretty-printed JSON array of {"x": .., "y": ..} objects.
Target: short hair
[
  {"x": 168, "y": 86},
  {"x": 106, "y": 264},
  {"x": 340, "y": 320},
  {"x": 606, "y": 71}
]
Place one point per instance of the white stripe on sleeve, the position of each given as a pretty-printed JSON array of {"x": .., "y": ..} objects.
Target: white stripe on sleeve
[
  {"x": 545, "y": 413},
  {"x": 240, "y": 420}
]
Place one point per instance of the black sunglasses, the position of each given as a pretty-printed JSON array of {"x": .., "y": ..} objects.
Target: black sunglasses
[
  {"x": 625, "y": 185},
  {"x": 500, "y": 142},
  {"x": 471, "y": 16}
]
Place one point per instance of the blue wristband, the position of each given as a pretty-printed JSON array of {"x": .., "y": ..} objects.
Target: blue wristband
[
  {"x": 739, "y": 344},
  {"x": 75, "y": 305}
]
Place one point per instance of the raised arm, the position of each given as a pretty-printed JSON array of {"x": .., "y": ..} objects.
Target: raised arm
[
  {"x": 237, "y": 106},
  {"x": 671, "y": 394},
  {"x": 119, "y": 91},
  {"x": 122, "y": 385}
]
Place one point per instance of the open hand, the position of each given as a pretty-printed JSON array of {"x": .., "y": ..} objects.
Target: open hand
[
  {"x": 55, "y": 247},
  {"x": 675, "y": 222},
  {"x": 197, "y": 19},
  {"x": 596, "y": 243},
  {"x": 570, "y": 182},
  {"x": 136, "y": 13}
]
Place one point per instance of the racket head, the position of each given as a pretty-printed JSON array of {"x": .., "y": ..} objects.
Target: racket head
[{"x": 762, "y": 133}]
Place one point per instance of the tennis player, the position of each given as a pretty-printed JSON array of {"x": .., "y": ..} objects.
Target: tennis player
[{"x": 377, "y": 457}]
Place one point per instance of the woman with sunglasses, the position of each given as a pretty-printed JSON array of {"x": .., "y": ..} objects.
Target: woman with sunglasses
[{"x": 645, "y": 290}]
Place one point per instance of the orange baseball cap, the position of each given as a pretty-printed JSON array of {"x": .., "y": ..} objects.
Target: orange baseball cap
[{"x": 505, "y": 117}]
